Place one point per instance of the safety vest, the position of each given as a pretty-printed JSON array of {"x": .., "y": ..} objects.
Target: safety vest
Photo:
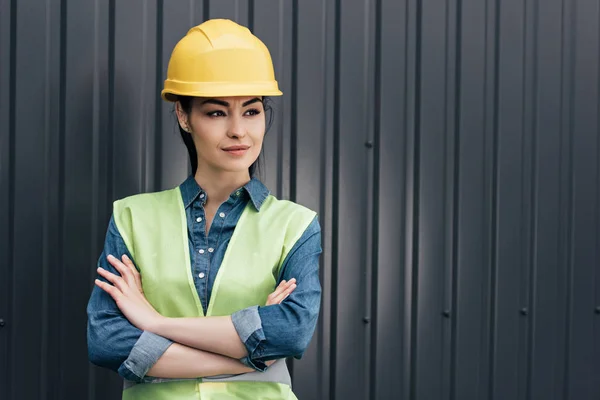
[{"x": 154, "y": 228}]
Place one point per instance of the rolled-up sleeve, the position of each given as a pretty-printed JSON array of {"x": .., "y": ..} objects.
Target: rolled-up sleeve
[
  {"x": 285, "y": 330},
  {"x": 113, "y": 342}
]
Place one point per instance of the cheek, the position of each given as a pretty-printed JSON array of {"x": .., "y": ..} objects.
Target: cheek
[
  {"x": 257, "y": 131},
  {"x": 208, "y": 133},
  {"x": 257, "y": 140}
]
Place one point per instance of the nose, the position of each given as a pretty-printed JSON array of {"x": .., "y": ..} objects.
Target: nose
[{"x": 236, "y": 127}]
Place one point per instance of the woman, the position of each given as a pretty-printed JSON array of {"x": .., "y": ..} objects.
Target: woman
[{"x": 228, "y": 275}]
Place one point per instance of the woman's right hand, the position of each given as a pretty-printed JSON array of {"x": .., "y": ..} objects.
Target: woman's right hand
[{"x": 284, "y": 289}]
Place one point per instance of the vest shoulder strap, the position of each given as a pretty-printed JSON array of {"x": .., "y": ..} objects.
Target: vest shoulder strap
[
  {"x": 286, "y": 217},
  {"x": 144, "y": 207}
]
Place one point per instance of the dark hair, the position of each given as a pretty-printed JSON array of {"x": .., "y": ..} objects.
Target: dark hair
[{"x": 186, "y": 105}]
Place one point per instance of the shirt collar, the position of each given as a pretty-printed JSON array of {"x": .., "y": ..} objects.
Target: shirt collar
[{"x": 256, "y": 190}]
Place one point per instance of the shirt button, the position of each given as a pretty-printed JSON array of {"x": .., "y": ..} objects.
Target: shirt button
[
  {"x": 201, "y": 275},
  {"x": 202, "y": 195},
  {"x": 201, "y": 251},
  {"x": 210, "y": 249},
  {"x": 222, "y": 215},
  {"x": 198, "y": 219},
  {"x": 237, "y": 193}
]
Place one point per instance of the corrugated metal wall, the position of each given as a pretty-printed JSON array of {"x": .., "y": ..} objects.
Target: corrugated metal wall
[{"x": 450, "y": 147}]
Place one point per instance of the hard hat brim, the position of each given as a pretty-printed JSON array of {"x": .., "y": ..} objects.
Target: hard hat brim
[{"x": 218, "y": 89}]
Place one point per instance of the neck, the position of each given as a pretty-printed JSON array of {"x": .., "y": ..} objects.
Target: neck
[{"x": 219, "y": 185}]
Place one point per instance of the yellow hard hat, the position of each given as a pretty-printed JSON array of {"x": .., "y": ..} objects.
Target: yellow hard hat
[{"x": 220, "y": 58}]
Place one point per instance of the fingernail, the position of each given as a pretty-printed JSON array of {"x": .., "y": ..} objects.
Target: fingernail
[
  {"x": 125, "y": 256},
  {"x": 110, "y": 256}
]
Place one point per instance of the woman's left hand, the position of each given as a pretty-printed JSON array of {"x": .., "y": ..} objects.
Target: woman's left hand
[{"x": 126, "y": 291}]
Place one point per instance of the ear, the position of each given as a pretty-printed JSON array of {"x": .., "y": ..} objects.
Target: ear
[{"x": 182, "y": 117}]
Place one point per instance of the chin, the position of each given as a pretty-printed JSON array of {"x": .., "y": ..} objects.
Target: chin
[{"x": 235, "y": 167}]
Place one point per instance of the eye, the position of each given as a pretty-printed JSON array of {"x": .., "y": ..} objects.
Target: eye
[
  {"x": 216, "y": 113},
  {"x": 252, "y": 112}
]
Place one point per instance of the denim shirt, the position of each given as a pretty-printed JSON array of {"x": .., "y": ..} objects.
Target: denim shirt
[{"x": 270, "y": 332}]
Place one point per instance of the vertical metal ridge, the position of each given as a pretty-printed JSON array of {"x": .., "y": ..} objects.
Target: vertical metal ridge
[
  {"x": 570, "y": 257},
  {"x": 494, "y": 210},
  {"x": 110, "y": 173},
  {"x": 294, "y": 108},
  {"x": 409, "y": 165},
  {"x": 48, "y": 239},
  {"x": 61, "y": 180},
  {"x": 596, "y": 277},
  {"x": 11, "y": 388},
  {"x": 456, "y": 198},
  {"x": 487, "y": 212},
  {"x": 251, "y": 15},
  {"x": 294, "y": 118},
  {"x": 564, "y": 215},
  {"x": 335, "y": 199},
  {"x": 158, "y": 83},
  {"x": 416, "y": 196},
  {"x": 192, "y": 13},
  {"x": 205, "y": 8},
  {"x": 523, "y": 249},
  {"x": 323, "y": 366},
  {"x": 410, "y": 82},
  {"x": 570, "y": 260},
  {"x": 533, "y": 198},
  {"x": 366, "y": 199},
  {"x": 596, "y": 273},
  {"x": 95, "y": 200},
  {"x": 377, "y": 72},
  {"x": 46, "y": 208},
  {"x": 95, "y": 137},
  {"x": 280, "y": 125},
  {"x": 527, "y": 208},
  {"x": 449, "y": 207},
  {"x": 143, "y": 131}
]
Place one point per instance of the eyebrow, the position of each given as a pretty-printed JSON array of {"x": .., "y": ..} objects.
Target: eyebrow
[{"x": 226, "y": 104}]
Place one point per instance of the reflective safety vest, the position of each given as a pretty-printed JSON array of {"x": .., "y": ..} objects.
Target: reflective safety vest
[{"x": 154, "y": 228}]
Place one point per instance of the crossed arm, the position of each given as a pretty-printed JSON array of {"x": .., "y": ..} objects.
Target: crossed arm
[
  {"x": 144, "y": 344},
  {"x": 215, "y": 352}
]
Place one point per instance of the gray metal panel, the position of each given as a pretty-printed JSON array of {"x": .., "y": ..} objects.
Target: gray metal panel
[
  {"x": 547, "y": 335},
  {"x": 31, "y": 84},
  {"x": 350, "y": 185},
  {"x": 236, "y": 10},
  {"x": 390, "y": 362},
  {"x": 471, "y": 291},
  {"x": 102, "y": 383},
  {"x": 432, "y": 145},
  {"x": 451, "y": 150},
  {"x": 510, "y": 241},
  {"x": 308, "y": 98},
  {"x": 584, "y": 339},
  {"x": 7, "y": 132}
]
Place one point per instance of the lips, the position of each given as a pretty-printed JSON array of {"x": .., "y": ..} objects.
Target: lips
[
  {"x": 239, "y": 150},
  {"x": 235, "y": 148}
]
